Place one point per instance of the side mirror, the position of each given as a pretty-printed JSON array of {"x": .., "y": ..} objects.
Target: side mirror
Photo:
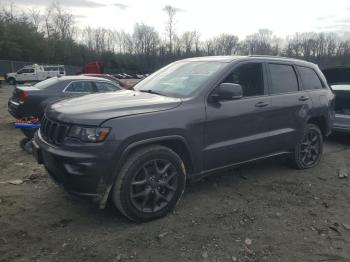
[{"x": 228, "y": 91}]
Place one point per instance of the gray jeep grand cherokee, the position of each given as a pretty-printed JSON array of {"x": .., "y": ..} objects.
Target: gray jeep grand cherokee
[{"x": 189, "y": 119}]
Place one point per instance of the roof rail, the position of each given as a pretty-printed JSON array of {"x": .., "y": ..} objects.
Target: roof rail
[{"x": 272, "y": 56}]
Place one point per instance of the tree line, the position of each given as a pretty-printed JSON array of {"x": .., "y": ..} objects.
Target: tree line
[{"x": 53, "y": 37}]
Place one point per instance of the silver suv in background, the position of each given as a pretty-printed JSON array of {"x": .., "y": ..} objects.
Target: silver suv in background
[{"x": 339, "y": 80}]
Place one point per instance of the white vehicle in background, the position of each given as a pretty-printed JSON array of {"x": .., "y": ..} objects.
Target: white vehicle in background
[{"x": 35, "y": 73}]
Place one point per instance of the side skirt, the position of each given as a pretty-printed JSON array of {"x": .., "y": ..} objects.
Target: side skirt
[{"x": 205, "y": 173}]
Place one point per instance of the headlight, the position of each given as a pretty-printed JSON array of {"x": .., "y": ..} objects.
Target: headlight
[{"x": 89, "y": 134}]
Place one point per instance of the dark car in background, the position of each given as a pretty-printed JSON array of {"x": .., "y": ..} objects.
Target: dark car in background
[
  {"x": 30, "y": 101},
  {"x": 339, "y": 79},
  {"x": 192, "y": 118}
]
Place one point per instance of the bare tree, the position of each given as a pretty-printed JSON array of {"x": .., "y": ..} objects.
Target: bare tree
[
  {"x": 146, "y": 39},
  {"x": 170, "y": 25},
  {"x": 35, "y": 17},
  {"x": 225, "y": 44}
]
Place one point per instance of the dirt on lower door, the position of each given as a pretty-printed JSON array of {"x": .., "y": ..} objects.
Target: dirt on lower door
[{"x": 262, "y": 212}]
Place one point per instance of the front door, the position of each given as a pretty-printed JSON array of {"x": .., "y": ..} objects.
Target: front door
[{"x": 238, "y": 130}]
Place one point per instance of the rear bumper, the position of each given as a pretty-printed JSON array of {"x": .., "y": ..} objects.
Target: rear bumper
[{"x": 81, "y": 172}]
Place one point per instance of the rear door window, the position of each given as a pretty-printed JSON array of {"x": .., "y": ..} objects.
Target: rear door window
[
  {"x": 80, "y": 87},
  {"x": 283, "y": 79},
  {"x": 309, "y": 78}
]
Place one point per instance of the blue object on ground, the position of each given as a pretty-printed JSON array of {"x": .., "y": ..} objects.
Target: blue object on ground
[{"x": 25, "y": 125}]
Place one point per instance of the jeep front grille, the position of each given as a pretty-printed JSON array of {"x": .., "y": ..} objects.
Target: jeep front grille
[{"x": 52, "y": 131}]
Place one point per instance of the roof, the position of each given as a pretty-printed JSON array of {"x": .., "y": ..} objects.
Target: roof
[
  {"x": 81, "y": 77},
  {"x": 229, "y": 59}
]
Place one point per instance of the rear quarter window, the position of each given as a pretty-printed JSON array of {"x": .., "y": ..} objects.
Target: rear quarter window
[
  {"x": 283, "y": 79},
  {"x": 309, "y": 78}
]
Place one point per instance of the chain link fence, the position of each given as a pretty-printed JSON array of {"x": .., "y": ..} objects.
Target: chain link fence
[{"x": 8, "y": 66}]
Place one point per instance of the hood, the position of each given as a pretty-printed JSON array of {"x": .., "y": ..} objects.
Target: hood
[{"x": 95, "y": 108}]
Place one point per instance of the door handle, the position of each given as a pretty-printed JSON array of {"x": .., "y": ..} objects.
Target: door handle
[
  {"x": 261, "y": 104},
  {"x": 303, "y": 98}
]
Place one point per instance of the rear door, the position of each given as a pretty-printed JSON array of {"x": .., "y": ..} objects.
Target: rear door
[
  {"x": 238, "y": 130},
  {"x": 290, "y": 105},
  {"x": 319, "y": 94},
  {"x": 78, "y": 88}
]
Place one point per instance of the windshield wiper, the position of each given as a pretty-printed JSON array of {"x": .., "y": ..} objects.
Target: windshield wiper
[{"x": 152, "y": 92}]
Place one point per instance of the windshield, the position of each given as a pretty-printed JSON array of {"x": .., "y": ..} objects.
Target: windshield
[
  {"x": 180, "y": 79},
  {"x": 46, "y": 83}
]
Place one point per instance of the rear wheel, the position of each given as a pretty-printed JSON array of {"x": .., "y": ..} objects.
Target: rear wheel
[
  {"x": 149, "y": 184},
  {"x": 309, "y": 150}
]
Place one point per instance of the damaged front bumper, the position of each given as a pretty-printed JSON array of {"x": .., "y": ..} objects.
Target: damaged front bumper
[{"x": 80, "y": 170}]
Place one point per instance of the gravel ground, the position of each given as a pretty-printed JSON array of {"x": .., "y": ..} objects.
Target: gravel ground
[{"x": 261, "y": 212}]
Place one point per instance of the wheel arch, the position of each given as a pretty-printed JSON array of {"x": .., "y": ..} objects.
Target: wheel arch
[
  {"x": 321, "y": 122},
  {"x": 176, "y": 143}
]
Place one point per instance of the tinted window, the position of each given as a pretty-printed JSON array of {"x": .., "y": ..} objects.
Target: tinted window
[
  {"x": 250, "y": 77},
  {"x": 26, "y": 71},
  {"x": 80, "y": 87},
  {"x": 309, "y": 78},
  {"x": 105, "y": 87},
  {"x": 283, "y": 79}
]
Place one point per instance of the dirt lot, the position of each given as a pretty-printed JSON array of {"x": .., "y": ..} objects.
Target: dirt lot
[{"x": 263, "y": 212}]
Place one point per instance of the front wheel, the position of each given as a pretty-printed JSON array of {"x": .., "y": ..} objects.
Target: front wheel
[
  {"x": 308, "y": 151},
  {"x": 149, "y": 184}
]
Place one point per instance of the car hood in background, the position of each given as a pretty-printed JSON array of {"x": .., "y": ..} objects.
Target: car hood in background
[{"x": 95, "y": 108}]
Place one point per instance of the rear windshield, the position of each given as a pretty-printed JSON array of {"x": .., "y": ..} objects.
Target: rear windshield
[{"x": 46, "y": 83}]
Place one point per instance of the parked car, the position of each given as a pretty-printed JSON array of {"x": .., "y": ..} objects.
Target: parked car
[
  {"x": 192, "y": 118},
  {"x": 339, "y": 79},
  {"x": 30, "y": 101},
  {"x": 35, "y": 73},
  {"x": 115, "y": 80}
]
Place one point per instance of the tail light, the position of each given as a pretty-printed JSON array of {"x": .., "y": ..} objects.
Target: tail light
[{"x": 23, "y": 97}]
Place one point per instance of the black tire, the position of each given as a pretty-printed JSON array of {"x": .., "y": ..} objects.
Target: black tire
[
  {"x": 158, "y": 191},
  {"x": 308, "y": 151},
  {"x": 23, "y": 142},
  {"x": 11, "y": 81}
]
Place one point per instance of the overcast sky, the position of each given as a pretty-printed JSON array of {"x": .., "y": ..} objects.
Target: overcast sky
[{"x": 210, "y": 18}]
